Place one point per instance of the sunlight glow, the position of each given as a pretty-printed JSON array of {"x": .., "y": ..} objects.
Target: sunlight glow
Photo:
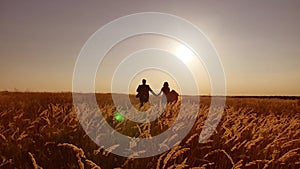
[{"x": 184, "y": 54}]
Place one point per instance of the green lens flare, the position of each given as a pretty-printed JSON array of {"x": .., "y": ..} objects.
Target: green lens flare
[{"x": 119, "y": 117}]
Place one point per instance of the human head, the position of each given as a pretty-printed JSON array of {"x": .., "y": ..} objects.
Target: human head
[
  {"x": 166, "y": 84},
  {"x": 144, "y": 81}
]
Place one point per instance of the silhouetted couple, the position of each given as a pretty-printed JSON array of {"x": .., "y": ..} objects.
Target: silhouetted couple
[{"x": 168, "y": 96}]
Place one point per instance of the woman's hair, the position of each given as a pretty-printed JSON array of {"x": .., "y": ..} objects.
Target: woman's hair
[{"x": 166, "y": 84}]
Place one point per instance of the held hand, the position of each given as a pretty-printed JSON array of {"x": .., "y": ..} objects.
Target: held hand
[
  {"x": 153, "y": 93},
  {"x": 159, "y": 93}
]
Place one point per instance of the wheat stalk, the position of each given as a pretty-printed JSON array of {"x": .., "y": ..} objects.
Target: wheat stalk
[
  {"x": 181, "y": 151},
  {"x": 79, "y": 153},
  {"x": 135, "y": 154},
  {"x": 3, "y": 137},
  {"x": 169, "y": 155},
  {"x": 35, "y": 165},
  {"x": 5, "y": 161},
  {"x": 256, "y": 162},
  {"x": 289, "y": 143},
  {"x": 208, "y": 164},
  {"x": 22, "y": 136},
  {"x": 92, "y": 164},
  {"x": 238, "y": 165},
  {"x": 110, "y": 149},
  {"x": 220, "y": 151},
  {"x": 290, "y": 154},
  {"x": 159, "y": 160},
  {"x": 267, "y": 164},
  {"x": 191, "y": 138}
]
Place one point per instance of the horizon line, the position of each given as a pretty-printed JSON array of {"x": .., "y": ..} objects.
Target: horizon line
[{"x": 204, "y": 95}]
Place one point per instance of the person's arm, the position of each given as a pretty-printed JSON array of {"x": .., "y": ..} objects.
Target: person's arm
[
  {"x": 149, "y": 88},
  {"x": 155, "y": 93}
]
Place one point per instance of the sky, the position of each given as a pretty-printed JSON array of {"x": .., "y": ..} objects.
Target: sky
[{"x": 258, "y": 43}]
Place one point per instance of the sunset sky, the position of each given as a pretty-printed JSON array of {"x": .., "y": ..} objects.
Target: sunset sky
[{"x": 258, "y": 43}]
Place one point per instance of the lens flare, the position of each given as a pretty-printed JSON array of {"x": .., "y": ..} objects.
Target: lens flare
[{"x": 119, "y": 117}]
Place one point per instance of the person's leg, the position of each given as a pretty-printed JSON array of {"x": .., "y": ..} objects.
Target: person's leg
[
  {"x": 145, "y": 99},
  {"x": 164, "y": 100},
  {"x": 141, "y": 101}
]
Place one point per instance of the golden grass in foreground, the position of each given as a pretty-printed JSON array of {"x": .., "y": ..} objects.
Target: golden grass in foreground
[{"x": 42, "y": 130}]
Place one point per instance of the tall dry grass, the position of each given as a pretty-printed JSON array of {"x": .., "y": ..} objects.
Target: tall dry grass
[{"x": 41, "y": 130}]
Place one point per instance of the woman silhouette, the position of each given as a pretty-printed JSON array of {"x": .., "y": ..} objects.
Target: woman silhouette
[
  {"x": 168, "y": 96},
  {"x": 165, "y": 90}
]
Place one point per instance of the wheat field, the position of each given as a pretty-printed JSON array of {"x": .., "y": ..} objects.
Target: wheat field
[{"x": 41, "y": 130}]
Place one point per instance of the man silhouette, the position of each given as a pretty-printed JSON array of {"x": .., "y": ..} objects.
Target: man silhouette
[{"x": 143, "y": 92}]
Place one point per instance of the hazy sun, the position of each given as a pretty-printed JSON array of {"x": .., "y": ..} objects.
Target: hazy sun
[{"x": 184, "y": 54}]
